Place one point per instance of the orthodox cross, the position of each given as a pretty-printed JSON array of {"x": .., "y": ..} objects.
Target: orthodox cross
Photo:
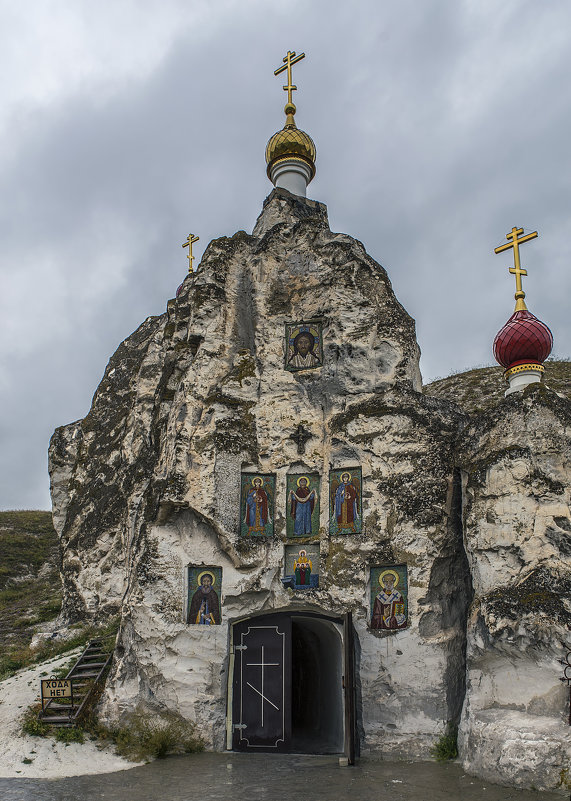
[
  {"x": 517, "y": 269},
  {"x": 289, "y": 61},
  {"x": 260, "y": 691},
  {"x": 300, "y": 437},
  {"x": 188, "y": 244}
]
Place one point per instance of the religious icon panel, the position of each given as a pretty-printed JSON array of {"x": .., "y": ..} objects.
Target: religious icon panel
[
  {"x": 204, "y": 585},
  {"x": 301, "y": 567},
  {"x": 389, "y": 597},
  {"x": 257, "y": 505},
  {"x": 302, "y": 511},
  {"x": 303, "y": 345},
  {"x": 345, "y": 504}
]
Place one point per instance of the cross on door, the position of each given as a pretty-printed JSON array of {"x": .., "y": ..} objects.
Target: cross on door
[{"x": 262, "y": 664}]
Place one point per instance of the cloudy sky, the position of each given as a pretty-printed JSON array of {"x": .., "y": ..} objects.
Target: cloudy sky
[{"x": 125, "y": 124}]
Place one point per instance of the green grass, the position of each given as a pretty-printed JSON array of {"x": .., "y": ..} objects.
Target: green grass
[
  {"x": 144, "y": 736},
  {"x": 482, "y": 388},
  {"x": 69, "y": 734},
  {"x": 32, "y": 725},
  {"x": 28, "y": 544},
  {"x": 446, "y": 747},
  {"x": 18, "y": 657},
  {"x": 141, "y": 737},
  {"x": 27, "y": 539}
]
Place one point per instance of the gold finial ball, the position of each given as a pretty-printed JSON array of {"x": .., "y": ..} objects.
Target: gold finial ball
[
  {"x": 290, "y": 142},
  {"x": 289, "y": 108}
]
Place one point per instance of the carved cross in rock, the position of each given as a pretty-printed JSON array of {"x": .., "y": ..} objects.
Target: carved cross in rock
[{"x": 300, "y": 437}]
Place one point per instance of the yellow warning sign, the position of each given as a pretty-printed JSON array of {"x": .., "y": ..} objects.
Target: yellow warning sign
[{"x": 56, "y": 688}]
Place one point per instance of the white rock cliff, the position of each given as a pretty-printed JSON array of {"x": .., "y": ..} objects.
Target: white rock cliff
[{"x": 149, "y": 483}]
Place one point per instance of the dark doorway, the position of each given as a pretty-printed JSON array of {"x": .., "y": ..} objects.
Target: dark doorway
[
  {"x": 316, "y": 686},
  {"x": 287, "y": 688}
]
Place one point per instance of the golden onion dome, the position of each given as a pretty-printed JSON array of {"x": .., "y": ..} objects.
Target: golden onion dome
[{"x": 289, "y": 143}]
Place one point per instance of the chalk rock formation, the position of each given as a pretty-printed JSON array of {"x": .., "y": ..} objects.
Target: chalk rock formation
[
  {"x": 517, "y": 462},
  {"x": 148, "y": 484},
  {"x": 149, "y": 481}
]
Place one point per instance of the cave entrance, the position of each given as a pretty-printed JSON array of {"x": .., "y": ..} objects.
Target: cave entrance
[{"x": 292, "y": 687}]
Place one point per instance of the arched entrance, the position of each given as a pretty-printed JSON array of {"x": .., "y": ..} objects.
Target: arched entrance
[{"x": 291, "y": 689}]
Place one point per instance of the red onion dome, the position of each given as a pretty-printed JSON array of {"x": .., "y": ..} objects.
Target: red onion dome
[{"x": 523, "y": 339}]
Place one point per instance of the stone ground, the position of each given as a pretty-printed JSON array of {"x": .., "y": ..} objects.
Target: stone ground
[{"x": 226, "y": 777}]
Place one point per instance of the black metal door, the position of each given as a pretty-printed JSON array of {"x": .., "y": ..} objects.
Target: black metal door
[
  {"x": 349, "y": 687},
  {"x": 261, "y": 691}
]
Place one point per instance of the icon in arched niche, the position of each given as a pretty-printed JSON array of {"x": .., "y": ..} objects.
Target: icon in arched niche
[
  {"x": 389, "y": 597},
  {"x": 304, "y": 345},
  {"x": 257, "y": 505},
  {"x": 301, "y": 569},
  {"x": 345, "y": 501},
  {"x": 204, "y": 585},
  {"x": 302, "y": 513}
]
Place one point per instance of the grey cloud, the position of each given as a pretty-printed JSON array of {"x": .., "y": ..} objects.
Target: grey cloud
[{"x": 438, "y": 127}]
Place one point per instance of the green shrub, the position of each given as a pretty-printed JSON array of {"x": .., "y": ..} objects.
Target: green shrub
[
  {"x": 31, "y": 724},
  {"x": 446, "y": 747},
  {"x": 70, "y": 734},
  {"x": 144, "y": 736}
]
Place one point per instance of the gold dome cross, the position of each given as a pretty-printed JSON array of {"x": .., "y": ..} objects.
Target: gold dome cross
[
  {"x": 190, "y": 240},
  {"x": 289, "y": 61},
  {"x": 518, "y": 271}
]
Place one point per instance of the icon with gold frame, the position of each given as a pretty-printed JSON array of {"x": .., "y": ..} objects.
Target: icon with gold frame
[
  {"x": 301, "y": 567},
  {"x": 302, "y": 505},
  {"x": 257, "y": 505},
  {"x": 389, "y": 597},
  {"x": 303, "y": 346},
  {"x": 204, "y": 586},
  {"x": 345, "y": 500}
]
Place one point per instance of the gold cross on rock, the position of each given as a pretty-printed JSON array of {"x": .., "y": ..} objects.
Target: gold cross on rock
[
  {"x": 191, "y": 239},
  {"x": 517, "y": 270},
  {"x": 289, "y": 61}
]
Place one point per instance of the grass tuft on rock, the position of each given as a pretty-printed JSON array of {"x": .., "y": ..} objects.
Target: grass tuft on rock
[{"x": 446, "y": 747}]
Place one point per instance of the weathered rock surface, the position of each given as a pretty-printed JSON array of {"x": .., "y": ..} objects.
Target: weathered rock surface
[
  {"x": 149, "y": 483},
  {"x": 516, "y": 463},
  {"x": 481, "y": 389}
]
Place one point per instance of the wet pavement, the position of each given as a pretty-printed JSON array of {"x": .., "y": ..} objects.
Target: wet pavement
[{"x": 255, "y": 777}]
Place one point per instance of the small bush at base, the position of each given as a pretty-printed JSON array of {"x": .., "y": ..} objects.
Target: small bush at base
[
  {"x": 447, "y": 746},
  {"x": 145, "y": 736},
  {"x": 32, "y": 725},
  {"x": 69, "y": 734}
]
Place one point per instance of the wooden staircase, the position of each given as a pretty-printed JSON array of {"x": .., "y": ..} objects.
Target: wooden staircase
[{"x": 87, "y": 675}]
